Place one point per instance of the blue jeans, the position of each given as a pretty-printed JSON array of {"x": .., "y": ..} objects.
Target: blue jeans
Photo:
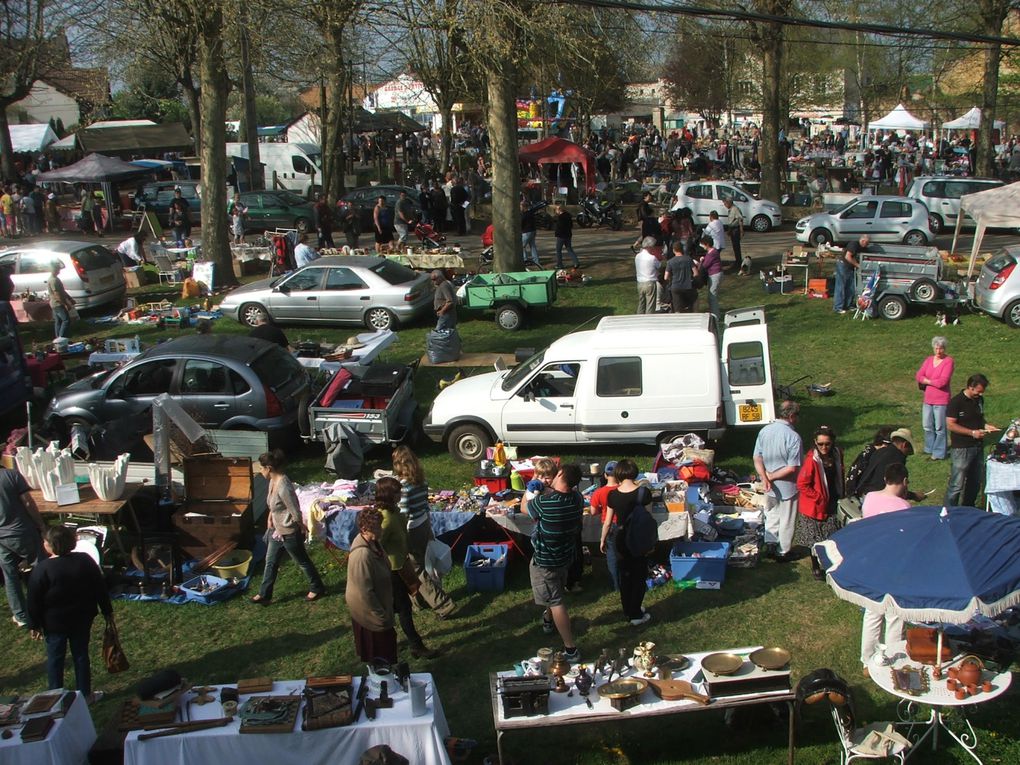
[
  {"x": 933, "y": 420},
  {"x": 843, "y": 300},
  {"x": 529, "y": 246},
  {"x": 714, "y": 280},
  {"x": 56, "y": 652},
  {"x": 14, "y": 550},
  {"x": 965, "y": 473},
  {"x": 61, "y": 322},
  {"x": 560, "y": 244},
  {"x": 295, "y": 547},
  {"x": 612, "y": 562}
]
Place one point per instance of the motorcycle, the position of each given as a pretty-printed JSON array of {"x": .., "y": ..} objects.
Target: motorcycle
[{"x": 598, "y": 212}]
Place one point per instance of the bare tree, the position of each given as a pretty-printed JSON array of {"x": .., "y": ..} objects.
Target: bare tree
[
  {"x": 770, "y": 39},
  {"x": 992, "y": 15},
  {"x": 694, "y": 80}
]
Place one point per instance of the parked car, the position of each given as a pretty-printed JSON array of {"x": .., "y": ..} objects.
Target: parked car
[
  {"x": 92, "y": 275},
  {"x": 223, "y": 381},
  {"x": 702, "y": 197},
  {"x": 156, "y": 197},
  {"x": 277, "y": 209},
  {"x": 893, "y": 220},
  {"x": 998, "y": 286},
  {"x": 365, "y": 197},
  {"x": 373, "y": 291},
  {"x": 941, "y": 195}
]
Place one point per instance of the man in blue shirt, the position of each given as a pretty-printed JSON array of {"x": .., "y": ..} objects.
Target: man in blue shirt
[
  {"x": 777, "y": 457},
  {"x": 557, "y": 515}
]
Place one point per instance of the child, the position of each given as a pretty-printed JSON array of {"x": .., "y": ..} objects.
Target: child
[{"x": 545, "y": 471}]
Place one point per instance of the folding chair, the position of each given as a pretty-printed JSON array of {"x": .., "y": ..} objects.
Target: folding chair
[{"x": 166, "y": 269}]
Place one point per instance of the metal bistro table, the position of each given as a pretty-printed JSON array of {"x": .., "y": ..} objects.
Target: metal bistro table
[
  {"x": 564, "y": 710},
  {"x": 937, "y": 698}
]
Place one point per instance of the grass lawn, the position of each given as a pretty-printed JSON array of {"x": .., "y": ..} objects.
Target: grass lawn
[{"x": 871, "y": 367}]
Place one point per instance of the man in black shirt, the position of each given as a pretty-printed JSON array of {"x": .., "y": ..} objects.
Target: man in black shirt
[
  {"x": 564, "y": 231},
  {"x": 900, "y": 446},
  {"x": 965, "y": 418},
  {"x": 264, "y": 330},
  {"x": 843, "y": 299},
  {"x": 529, "y": 229}
]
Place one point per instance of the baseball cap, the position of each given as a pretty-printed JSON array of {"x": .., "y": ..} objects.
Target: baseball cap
[
  {"x": 906, "y": 435},
  {"x": 610, "y": 467}
]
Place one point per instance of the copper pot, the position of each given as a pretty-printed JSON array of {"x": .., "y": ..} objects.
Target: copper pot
[{"x": 961, "y": 694}]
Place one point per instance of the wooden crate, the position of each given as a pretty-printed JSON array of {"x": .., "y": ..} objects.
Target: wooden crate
[{"x": 218, "y": 505}]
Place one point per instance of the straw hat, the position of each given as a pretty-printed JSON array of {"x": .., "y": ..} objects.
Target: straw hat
[
  {"x": 353, "y": 343},
  {"x": 906, "y": 435}
]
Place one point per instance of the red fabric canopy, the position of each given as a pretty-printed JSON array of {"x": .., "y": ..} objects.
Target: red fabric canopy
[{"x": 552, "y": 149}]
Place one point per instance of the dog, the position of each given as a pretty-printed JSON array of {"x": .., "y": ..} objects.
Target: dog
[{"x": 940, "y": 319}]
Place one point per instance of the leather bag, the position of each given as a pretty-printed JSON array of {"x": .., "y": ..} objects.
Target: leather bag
[{"x": 113, "y": 655}]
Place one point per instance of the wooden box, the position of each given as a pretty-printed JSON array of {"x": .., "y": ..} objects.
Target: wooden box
[{"x": 218, "y": 505}]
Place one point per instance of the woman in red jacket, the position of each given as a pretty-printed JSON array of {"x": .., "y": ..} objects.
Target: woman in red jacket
[{"x": 820, "y": 483}]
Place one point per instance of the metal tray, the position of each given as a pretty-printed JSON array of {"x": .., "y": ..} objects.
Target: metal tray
[{"x": 770, "y": 658}]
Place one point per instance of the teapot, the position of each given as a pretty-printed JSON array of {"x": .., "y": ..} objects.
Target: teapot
[
  {"x": 969, "y": 670},
  {"x": 378, "y": 673}
]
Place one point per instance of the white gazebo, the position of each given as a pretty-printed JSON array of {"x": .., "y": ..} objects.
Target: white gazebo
[
  {"x": 969, "y": 121},
  {"x": 31, "y": 138},
  {"x": 898, "y": 119},
  {"x": 998, "y": 207}
]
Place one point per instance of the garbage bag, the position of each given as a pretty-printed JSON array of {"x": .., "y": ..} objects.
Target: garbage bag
[{"x": 442, "y": 345}]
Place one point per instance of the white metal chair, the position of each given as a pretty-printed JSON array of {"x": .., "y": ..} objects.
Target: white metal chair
[
  {"x": 166, "y": 269},
  {"x": 852, "y": 738}
]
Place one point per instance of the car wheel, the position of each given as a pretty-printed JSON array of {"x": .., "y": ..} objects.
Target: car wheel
[
  {"x": 1012, "y": 315},
  {"x": 510, "y": 317},
  {"x": 583, "y": 220},
  {"x": 820, "y": 236},
  {"x": 379, "y": 319},
  {"x": 935, "y": 223},
  {"x": 467, "y": 443},
  {"x": 301, "y": 224},
  {"x": 892, "y": 307},
  {"x": 761, "y": 224},
  {"x": 251, "y": 314},
  {"x": 915, "y": 238},
  {"x": 924, "y": 291}
]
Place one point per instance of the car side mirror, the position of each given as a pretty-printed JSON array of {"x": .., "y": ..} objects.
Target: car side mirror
[{"x": 282, "y": 288}]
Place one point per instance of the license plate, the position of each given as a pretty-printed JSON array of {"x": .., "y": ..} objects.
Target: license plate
[{"x": 749, "y": 412}]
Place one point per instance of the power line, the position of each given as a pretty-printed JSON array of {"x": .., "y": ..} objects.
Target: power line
[{"x": 739, "y": 15}]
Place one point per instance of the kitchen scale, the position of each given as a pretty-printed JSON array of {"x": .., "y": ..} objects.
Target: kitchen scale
[{"x": 749, "y": 678}]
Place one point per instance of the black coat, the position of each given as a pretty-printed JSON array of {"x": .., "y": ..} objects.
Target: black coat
[{"x": 66, "y": 592}]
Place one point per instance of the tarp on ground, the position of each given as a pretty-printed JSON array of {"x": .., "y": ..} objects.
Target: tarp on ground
[
  {"x": 35, "y": 137},
  {"x": 95, "y": 168},
  {"x": 558, "y": 150},
  {"x": 898, "y": 119},
  {"x": 998, "y": 207},
  {"x": 969, "y": 121}
]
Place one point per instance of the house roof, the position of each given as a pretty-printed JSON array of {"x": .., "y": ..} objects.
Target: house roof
[{"x": 88, "y": 85}]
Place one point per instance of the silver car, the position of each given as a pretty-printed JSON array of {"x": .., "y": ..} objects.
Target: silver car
[
  {"x": 223, "y": 381},
  {"x": 376, "y": 292},
  {"x": 998, "y": 287},
  {"x": 92, "y": 275},
  {"x": 884, "y": 219}
]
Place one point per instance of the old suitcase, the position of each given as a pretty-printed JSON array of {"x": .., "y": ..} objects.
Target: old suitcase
[
  {"x": 383, "y": 379},
  {"x": 218, "y": 505}
]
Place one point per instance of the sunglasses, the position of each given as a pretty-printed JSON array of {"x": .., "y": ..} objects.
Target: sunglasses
[{"x": 823, "y": 443}]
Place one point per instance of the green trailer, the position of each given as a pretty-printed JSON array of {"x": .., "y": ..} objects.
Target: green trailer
[{"x": 510, "y": 294}]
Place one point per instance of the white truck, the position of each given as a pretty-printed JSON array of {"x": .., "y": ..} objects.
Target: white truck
[
  {"x": 298, "y": 166},
  {"x": 632, "y": 379}
]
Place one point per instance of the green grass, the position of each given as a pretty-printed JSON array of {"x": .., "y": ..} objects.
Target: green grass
[{"x": 869, "y": 364}]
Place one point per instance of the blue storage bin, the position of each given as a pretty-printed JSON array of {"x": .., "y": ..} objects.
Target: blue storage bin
[
  {"x": 710, "y": 567},
  {"x": 489, "y": 577},
  {"x": 221, "y": 589}
]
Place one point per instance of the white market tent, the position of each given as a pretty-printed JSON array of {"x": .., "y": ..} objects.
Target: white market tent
[
  {"x": 898, "y": 119},
  {"x": 969, "y": 121},
  {"x": 31, "y": 138},
  {"x": 998, "y": 207}
]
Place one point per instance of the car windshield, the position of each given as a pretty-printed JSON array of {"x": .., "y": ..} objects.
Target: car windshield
[
  {"x": 393, "y": 272},
  {"x": 1000, "y": 261},
  {"x": 522, "y": 370},
  {"x": 91, "y": 258},
  {"x": 847, "y": 206}
]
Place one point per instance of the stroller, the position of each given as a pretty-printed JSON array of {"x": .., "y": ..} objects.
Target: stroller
[
  {"x": 866, "y": 300},
  {"x": 485, "y": 257},
  {"x": 428, "y": 236}
]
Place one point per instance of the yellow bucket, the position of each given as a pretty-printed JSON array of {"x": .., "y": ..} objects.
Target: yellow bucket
[{"x": 233, "y": 564}]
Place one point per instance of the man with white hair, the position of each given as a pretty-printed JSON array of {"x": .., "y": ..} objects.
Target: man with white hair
[
  {"x": 777, "y": 457},
  {"x": 646, "y": 268}
]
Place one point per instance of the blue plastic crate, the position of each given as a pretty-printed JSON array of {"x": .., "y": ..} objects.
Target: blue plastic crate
[
  {"x": 223, "y": 589},
  {"x": 486, "y": 578},
  {"x": 710, "y": 567}
]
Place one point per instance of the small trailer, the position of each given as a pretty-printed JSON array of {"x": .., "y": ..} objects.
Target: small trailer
[
  {"x": 510, "y": 294},
  {"x": 907, "y": 276},
  {"x": 376, "y": 401}
]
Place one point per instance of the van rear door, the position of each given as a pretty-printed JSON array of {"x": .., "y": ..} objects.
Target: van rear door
[{"x": 746, "y": 365}]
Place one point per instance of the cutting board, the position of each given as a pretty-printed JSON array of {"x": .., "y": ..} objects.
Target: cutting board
[{"x": 675, "y": 690}]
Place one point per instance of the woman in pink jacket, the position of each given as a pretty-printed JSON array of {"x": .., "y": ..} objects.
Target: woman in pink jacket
[
  {"x": 934, "y": 378},
  {"x": 820, "y": 486}
]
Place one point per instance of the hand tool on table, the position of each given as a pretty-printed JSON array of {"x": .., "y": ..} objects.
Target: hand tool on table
[
  {"x": 362, "y": 693},
  {"x": 186, "y": 727},
  {"x": 675, "y": 690}
]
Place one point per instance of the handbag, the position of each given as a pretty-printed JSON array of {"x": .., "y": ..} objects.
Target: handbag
[
  {"x": 113, "y": 655},
  {"x": 409, "y": 577}
]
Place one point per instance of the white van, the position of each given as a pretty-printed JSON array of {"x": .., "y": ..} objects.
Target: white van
[
  {"x": 941, "y": 195},
  {"x": 298, "y": 166},
  {"x": 632, "y": 379}
]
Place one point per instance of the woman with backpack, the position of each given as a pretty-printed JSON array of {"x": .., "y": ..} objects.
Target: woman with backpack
[{"x": 625, "y": 503}]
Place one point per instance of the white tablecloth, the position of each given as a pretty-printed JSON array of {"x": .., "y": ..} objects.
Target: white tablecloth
[
  {"x": 1001, "y": 480},
  {"x": 68, "y": 743},
  {"x": 375, "y": 343},
  {"x": 419, "y": 739}
]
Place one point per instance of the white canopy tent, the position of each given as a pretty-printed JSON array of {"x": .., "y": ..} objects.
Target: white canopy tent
[
  {"x": 31, "y": 138},
  {"x": 898, "y": 119},
  {"x": 998, "y": 207},
  {"x": 969, "y": 121}
]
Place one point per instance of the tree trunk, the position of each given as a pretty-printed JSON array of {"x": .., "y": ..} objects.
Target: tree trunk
[
  {"x": 771, "y": 109},
  {"x": 249, "y": 123},
  {"x": 7, "y": 171},
  {"x": 993, "y": 15},
  {"x": 215, "y": 86},
  {"x": 195, "y": 112},
  {"x": 336, "y": 110},
  {"x": 506, "y": 178},
  {"x": 446, "y": 135}
]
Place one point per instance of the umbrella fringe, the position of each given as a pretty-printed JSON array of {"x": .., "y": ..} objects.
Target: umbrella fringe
[{"x": 888, "y": 604}]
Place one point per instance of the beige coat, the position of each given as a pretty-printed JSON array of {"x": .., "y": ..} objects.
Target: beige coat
[
  {"x": 369, "y": 592},
  {"x": 283, "y": 506}
]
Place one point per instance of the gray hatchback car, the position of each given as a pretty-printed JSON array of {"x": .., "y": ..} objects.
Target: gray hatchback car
[
  {"x": 223, "y": 381},
  {"x": 998, "y": 286}
]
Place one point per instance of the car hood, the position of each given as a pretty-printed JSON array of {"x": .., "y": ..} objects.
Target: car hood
[
  {"x": 478, "y": 388},
  {"x": 247, "y": 289},
  {"x": 820, "y": 217}
]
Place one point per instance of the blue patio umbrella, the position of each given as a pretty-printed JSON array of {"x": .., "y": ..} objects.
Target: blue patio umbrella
[{"x": 927, "y": 564}]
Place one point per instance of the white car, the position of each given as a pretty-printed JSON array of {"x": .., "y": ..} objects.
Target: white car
[
  {"x": 701, "y": 197},
  {"x": 92, "y": 275},
  {"x": 941, "y": 195},
  {"x": 894, "y": 220}
]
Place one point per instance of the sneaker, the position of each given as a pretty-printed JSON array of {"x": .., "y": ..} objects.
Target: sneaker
[
  {"x": 840, "y": 311},
  {"x": 573, "y": 655},
  {"x": 645, "y": 618},
  {"x": 18, "y": 622},
  {"x": 547, "y": 625}
]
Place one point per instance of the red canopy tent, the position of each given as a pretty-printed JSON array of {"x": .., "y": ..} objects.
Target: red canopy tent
[{"x": 555, "y": 150}]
